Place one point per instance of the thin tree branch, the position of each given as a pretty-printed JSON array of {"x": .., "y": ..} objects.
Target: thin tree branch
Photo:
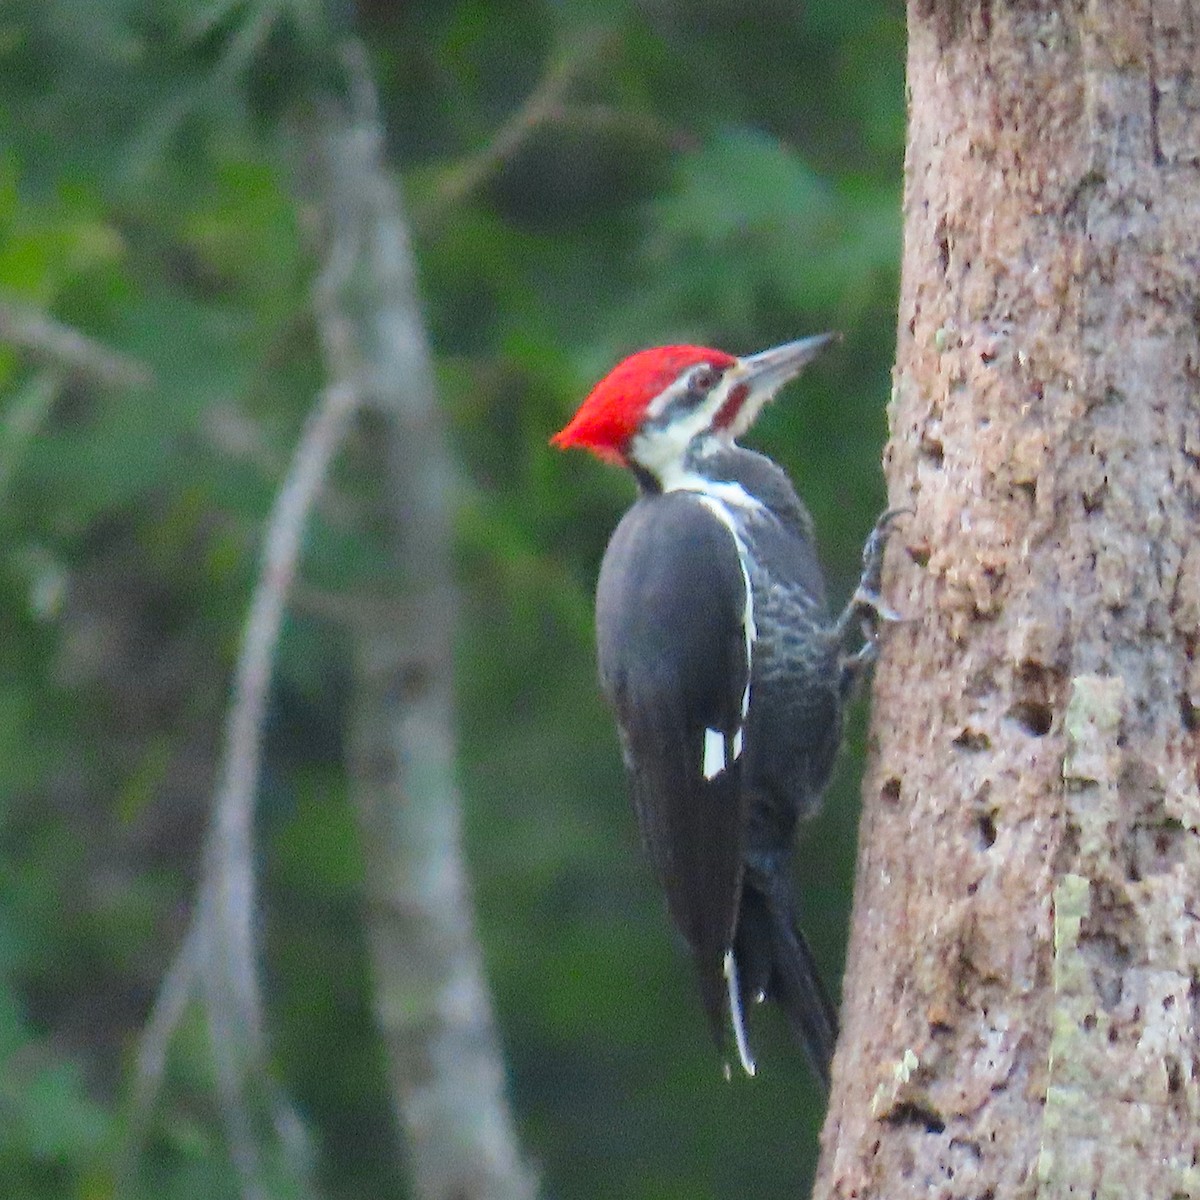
[
  {"x": 61, "y": 346},
  {"x": 217, "y": 962},
  {"x": 232, "y": 995},
  {"x": 545, "y": 103},
  {"x": 174, "y": 995}
]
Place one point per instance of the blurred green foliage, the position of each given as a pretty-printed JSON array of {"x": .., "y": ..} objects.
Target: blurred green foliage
[{"x": 727, "y": 172}]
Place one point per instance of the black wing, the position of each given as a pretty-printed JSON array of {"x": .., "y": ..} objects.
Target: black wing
[{"x": 670, "y": 607}]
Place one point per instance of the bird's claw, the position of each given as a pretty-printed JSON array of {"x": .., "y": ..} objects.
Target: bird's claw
[
  {"x": 854, "y": 664},
  {"x": 873, "y": 548},
  {"x": 870, "y": 606},
  {"x": 866, "y": 606}
]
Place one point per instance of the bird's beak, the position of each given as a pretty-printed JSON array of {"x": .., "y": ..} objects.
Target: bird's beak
[
  {"x": 757, "y": 377},
  {"x": 769, "y": 370}
]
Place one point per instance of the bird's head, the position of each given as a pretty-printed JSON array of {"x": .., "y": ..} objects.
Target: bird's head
[{"x": 651, "y": 410}]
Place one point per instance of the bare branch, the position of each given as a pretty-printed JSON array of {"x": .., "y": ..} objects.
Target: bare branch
[
  {"x": 230, "y": 978},
  {"x": 218, "y": 958},
  {"x": 447, "y": 1077},
  {"x": 60, "y": 346},
  {"x": 587, "y": 117},
  {"x": 431, "y": 998},
  {"x": 174, "y": 995},
  {"x": 545, "y": 103}
]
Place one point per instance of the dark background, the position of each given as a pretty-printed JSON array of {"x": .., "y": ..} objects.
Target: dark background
[{"x": 720, "y": 172}]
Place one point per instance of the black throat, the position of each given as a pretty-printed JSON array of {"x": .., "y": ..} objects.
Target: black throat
[{"x": 648, "y": 483}]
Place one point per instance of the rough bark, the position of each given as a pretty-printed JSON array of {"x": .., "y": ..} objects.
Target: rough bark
[{"x": 1022, "y": 1011}]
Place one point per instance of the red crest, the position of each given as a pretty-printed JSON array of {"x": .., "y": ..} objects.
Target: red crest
[{"x": 611, "y": 414}]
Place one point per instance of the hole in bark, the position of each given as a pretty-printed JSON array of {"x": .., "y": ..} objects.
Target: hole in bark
[
  {"x": 1188, "y": 713},
  {"x": 1106, "y": 941},
  {"x": 1154, "y": 847},
  {"x": 968, "y": 1147},
  {"x": 932, "y": 450},
  {"x": 1112, "y": 1035},
  {"x": 1028, "y": 489},
  {"x": 972, "y": 739},
  {"x": 986, "y": 824},
  {"x": 1084, "y": 190},
  {"x": 944, "y": 253},
  {"x": 911, "y": 1113},
  {"x": 890, "y": 792},
  {"x": 919, "y": 553},
  {"x": 1174, "y": 1075},
  {"x": 1034, "y": 716},
  {"x": 1089, "y": 1022}
]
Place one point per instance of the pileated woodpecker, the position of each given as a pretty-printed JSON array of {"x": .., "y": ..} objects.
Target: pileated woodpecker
[{"x": 726, "y": 673}]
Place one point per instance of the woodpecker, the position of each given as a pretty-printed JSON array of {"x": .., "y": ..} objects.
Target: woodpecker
[{"x": 725, "y": 671}]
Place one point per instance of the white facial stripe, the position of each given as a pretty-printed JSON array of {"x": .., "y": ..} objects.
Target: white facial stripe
[
  {"x": 660, "y": 449},
  {"x": 667, "y": 397}
]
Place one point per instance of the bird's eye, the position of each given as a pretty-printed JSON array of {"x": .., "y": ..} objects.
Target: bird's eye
[{"x": 704, "y": 379}]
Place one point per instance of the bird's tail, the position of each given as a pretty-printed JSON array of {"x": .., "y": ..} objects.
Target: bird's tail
[{"x": 774, "y": 962}]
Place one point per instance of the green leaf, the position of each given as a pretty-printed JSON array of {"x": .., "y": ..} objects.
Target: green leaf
[{"x": 60, "y": 1122}]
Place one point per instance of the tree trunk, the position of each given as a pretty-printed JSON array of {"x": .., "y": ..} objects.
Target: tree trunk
[
  {"x": 432, "y": 1003},
  {"x": 1022, "y": 1011}
]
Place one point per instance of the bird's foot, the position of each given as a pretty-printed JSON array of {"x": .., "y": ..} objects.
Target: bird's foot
[{"x": 866, "y": 608}]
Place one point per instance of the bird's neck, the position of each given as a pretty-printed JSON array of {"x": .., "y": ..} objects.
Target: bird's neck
[
  {"x": 708, "y": 468},
  {"x": 690, "y": 471}
]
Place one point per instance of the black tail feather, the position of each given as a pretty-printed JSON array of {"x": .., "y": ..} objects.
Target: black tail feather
[{"x": 775, "y": 963}]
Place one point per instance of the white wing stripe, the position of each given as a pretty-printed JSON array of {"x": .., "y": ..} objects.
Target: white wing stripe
[
  {"x": 719, "y": 507},
  {"x": 714, "y": 753}
]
